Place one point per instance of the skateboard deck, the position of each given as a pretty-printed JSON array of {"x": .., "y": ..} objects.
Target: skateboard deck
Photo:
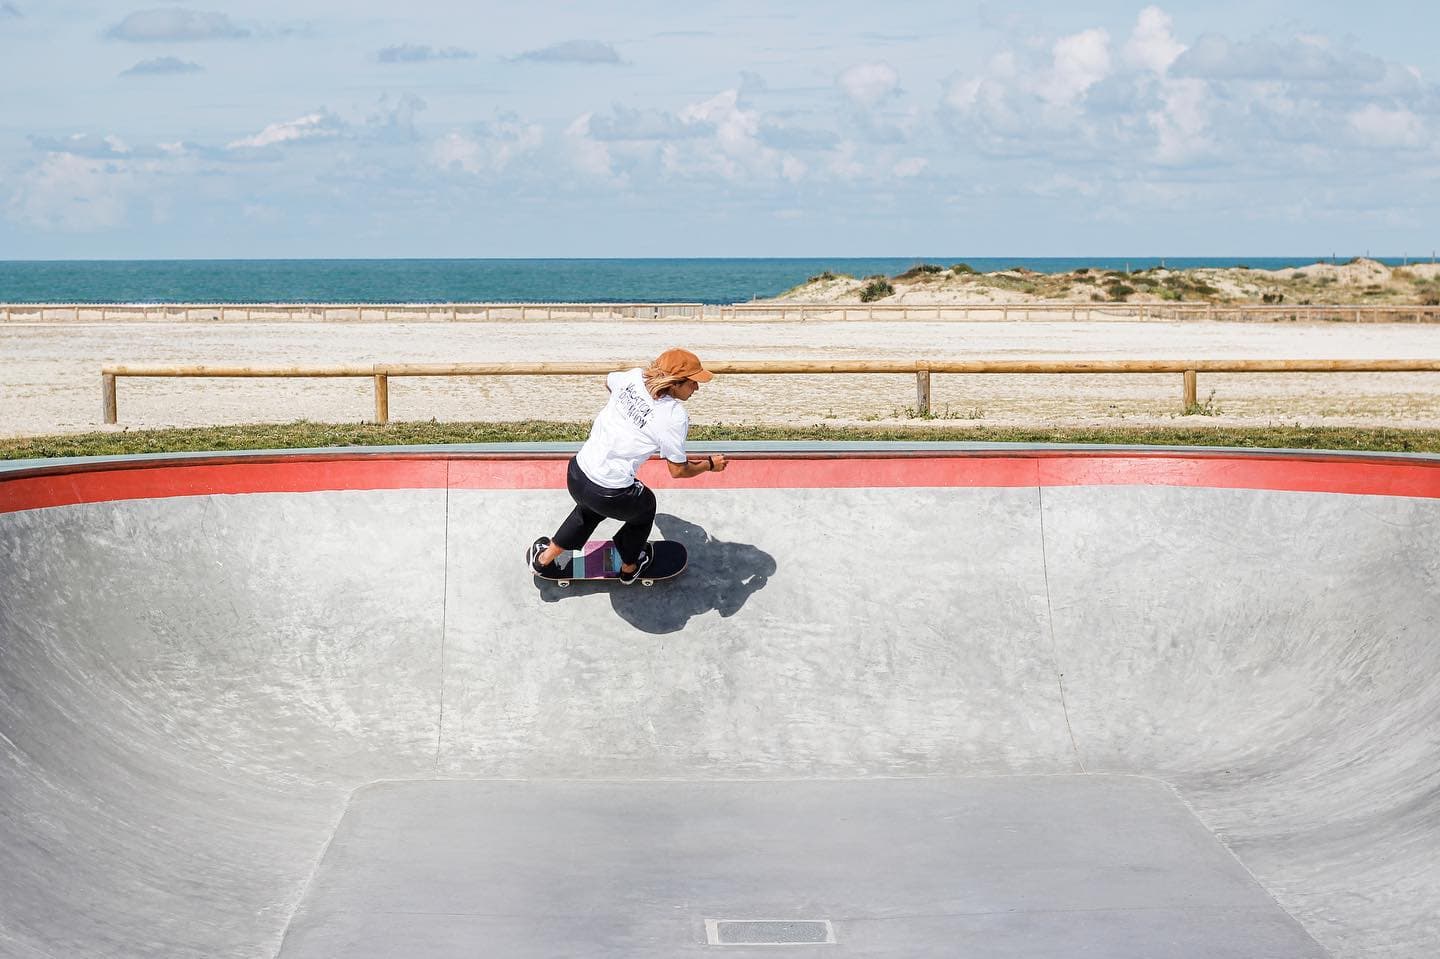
[{"x": 599, "y": 560}]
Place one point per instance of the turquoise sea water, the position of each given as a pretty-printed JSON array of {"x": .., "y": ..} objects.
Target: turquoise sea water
[{"x": 537, "y": 280}]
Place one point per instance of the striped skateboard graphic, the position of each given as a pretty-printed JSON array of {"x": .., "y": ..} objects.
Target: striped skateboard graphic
[{"x": 599, "y": 561}]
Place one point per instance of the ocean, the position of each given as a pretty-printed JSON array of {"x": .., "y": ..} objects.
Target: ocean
[{"x": 529, "y": 280}]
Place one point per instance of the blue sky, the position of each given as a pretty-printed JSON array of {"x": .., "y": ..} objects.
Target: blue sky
[{"x": 463, "y": 129}]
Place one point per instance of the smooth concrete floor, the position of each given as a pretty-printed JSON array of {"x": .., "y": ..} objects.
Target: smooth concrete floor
[{"x": 1029, "y": 867}]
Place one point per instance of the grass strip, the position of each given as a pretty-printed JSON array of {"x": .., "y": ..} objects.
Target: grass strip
[{"x": 304, "y": 434}]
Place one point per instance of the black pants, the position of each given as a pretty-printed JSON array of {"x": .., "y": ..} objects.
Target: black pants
[{"x": 634, "y": 505}]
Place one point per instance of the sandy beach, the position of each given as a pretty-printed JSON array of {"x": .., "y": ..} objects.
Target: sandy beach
[{"x": 50, "y": 375}]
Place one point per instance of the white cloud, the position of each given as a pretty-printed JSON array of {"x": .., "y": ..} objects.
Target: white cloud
[
  {"x": 165, "y": 26},
  {"x": 734, "y": 127},
  {"x": 322, "y": 125},
  {"x": 491, "y": 150},
  {"x": 1080, "y": 61},
  {"x": 421, "y": 53},
  {"x": 966, "y": 94},
  {"x": 963, "y": 93},
  {"x": 70, "y": 193},
  {"x": 1181, "y": 122},
  {"x": 736, "y": 134},
  {"x": 574, "y": 51},
  {"x": 457, "y": 151},
  {"x": 588, "y": 155},
  {"x": 625, "y": 124},
  {"x": 1152, "y": 46},
  {"x": 90, "y": 145},
  {"x": 735, "y": 148},
  {"x": 1377, "y": 126},
  {"x": 674, "y": 160},
  {"x": 910, "y": 167},
  {"x": 395, "y": 119},
  {"x": 161, "y": 66},
  {"x": 843, "y": 163},
  {"x": 868, "y": 84},
  {"x": 717, "y": 137},
  {"x": 1065, "y": 185},
  {"x": 1277, "y": 101},
  {"x": 1307, "y": 61}
]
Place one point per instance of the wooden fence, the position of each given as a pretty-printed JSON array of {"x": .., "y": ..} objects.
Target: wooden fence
[
  {"x": 773, "y": 311},
  {"x": 381, "y": 373},
  {"x": 343, "y": 312}
]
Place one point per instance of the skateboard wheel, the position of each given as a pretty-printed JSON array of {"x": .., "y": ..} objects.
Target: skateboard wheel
[
  {"x": 647, "y": 582},
  {"x": 563, "y": 583}
]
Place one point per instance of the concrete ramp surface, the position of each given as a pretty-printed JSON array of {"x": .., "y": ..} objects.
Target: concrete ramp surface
[{"x": 1009, "y": 702}]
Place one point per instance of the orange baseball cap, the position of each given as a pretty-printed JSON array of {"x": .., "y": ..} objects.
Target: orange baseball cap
[{"x": 683, "y": 363}]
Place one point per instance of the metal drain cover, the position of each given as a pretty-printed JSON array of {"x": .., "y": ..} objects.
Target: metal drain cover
[{"x": 768, "y": 932}]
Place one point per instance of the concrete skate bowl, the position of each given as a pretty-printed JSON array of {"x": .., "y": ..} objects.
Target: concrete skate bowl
[{"x": 1007, "y": 702}]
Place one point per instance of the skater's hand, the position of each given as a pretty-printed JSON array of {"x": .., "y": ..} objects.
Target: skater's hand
[{"x": 717, "y": 462}]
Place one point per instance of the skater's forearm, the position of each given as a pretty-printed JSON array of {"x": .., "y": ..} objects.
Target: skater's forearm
[{"x": 695, "y": 465}]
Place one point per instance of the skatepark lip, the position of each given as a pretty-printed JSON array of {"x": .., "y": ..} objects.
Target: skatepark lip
[{"x": 35, "y": 484}]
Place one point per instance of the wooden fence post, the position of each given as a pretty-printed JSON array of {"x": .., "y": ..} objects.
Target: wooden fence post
[
  {"x": 922, "y": 391},
  {"x": 382, "y": 399},
  {"x": 107, "y": 393},
  {"x": 1187, "y": 398}
]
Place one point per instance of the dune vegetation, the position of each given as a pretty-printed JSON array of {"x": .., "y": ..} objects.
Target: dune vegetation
[{"x": 1360, "y": 281}]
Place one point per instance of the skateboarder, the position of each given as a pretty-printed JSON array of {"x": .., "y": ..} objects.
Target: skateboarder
[{"x": 645, "y": 415}]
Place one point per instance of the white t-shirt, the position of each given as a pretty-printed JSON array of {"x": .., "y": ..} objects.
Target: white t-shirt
[{"x": 631, "y": 428}]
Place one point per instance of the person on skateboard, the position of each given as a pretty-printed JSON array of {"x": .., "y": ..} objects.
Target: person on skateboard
[{"x": 645, "y": 415}]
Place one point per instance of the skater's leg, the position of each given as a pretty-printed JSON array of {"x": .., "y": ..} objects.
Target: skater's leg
[
  {"x": 633, "y": 536},
  {"x": 574, "y": 533},
  {"x": 581, "y": 523}
]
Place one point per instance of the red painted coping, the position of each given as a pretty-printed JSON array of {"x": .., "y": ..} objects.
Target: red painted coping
[{"x": 311, "y": 472}]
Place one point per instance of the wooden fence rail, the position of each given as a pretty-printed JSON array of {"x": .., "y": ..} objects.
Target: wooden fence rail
[
  {"x": 343, "y": 312},
  {"x": 920, "y": 369}
]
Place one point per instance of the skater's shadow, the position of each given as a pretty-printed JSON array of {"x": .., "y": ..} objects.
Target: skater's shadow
[{"x": 721, "y": 577}]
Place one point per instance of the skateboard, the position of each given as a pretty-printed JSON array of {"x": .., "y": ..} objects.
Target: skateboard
[{"x": 599, "y": 560}]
